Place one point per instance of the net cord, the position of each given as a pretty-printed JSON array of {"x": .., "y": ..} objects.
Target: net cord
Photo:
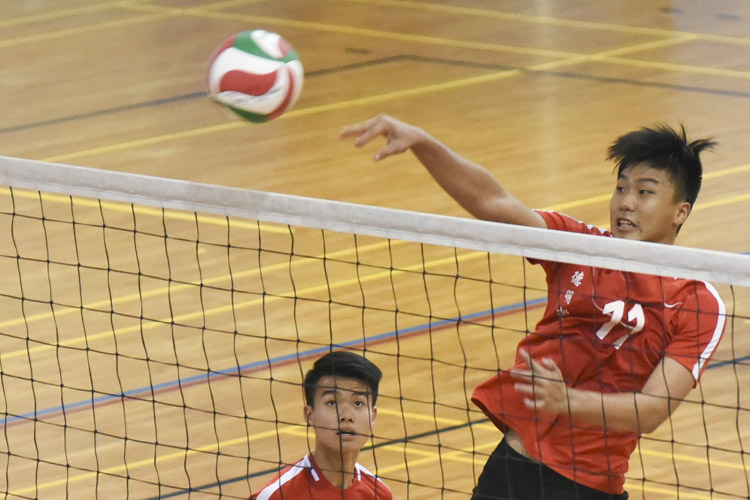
[{"x": 493, "y": 237}]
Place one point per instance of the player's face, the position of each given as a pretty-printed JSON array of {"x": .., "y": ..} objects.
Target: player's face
[
  {"x": 644, "y": 206},
  {"x": 342, "y": 414}
]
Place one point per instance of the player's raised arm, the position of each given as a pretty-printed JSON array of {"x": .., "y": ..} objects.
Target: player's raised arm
[{"x": 471, "y": 185}]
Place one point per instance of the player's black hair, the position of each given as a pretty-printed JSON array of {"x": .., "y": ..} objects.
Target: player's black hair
[
  {"x": 664, "y": 148},
  {"x": 343, "y": 364}
]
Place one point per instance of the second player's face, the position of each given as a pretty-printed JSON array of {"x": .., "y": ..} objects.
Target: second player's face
[
  {"x": 643, "y": 206},
  {"x": 342, "y": 414}
]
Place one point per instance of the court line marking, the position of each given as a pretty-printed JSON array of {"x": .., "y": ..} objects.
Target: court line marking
[
  {"x": 127, "y": 467},
  {"x": 741, "y": 169},
  {"x": 79, "y": 30},
  {"x": 148, "y": 324},
  {"x": 547, "y": 20},
  {"x": 434, "y": 325},
  {"x": 58, "y": 14},
  {"x": 178, "y": 287}
]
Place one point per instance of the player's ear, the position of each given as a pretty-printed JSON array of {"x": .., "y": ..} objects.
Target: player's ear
[
  {"x": 308, "y": 414},
  {"x": 682, "y": 212},
  {"x": 373, "y": 415}
]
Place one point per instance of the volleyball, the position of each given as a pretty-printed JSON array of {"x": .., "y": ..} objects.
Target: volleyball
[{"x": 256, "y": 75}]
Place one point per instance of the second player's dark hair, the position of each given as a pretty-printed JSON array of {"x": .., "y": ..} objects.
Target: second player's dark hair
[{"x": 343, "y": 364}]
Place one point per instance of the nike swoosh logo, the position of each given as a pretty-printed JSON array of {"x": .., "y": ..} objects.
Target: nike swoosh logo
[{"x": 672, "y": 306}]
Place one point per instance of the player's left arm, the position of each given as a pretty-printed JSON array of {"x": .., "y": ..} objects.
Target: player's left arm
[{"x": 640, "y": 412}]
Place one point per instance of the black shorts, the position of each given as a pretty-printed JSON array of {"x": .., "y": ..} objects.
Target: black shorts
[{"x": 508, "y": 475}]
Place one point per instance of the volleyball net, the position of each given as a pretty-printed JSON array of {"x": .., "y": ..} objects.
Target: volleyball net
[{"x": 155, "y": 333}]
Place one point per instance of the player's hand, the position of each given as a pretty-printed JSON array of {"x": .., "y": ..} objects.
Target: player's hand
[
  {"x": 400, "y": 136},
  {"x": 543, "y": 384}
]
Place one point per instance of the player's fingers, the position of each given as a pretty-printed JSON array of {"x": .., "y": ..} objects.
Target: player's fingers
[
  {"x": 351, "y": 130},
  {"x": 521, "y": 375},
  {"x": 524, "y": 388},
  {"x": 391, "y": 148},
  {"x": 550, "y": 364},
  {"x": 527, "y": 359},
  {"x": 366, "y": 131}
]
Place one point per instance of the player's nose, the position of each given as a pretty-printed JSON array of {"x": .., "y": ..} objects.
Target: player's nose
[{"x": 626, "y": 201}]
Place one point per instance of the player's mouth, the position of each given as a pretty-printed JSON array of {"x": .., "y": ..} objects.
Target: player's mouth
[
  {"x": 343, "y": 432},
  {"x": 625, "y": 224}
]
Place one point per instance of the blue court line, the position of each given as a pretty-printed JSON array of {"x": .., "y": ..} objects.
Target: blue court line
[{"x": 237, "y": 370}]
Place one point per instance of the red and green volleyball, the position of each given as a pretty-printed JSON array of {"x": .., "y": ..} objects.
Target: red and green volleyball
[{"x": 256, "y": 75}]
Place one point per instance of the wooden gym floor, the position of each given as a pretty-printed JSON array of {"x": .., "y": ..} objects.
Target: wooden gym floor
[{"x": 535, "y": 91}]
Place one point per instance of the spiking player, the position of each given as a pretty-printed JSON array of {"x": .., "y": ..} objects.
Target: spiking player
[{"x": 615, "y": 352}]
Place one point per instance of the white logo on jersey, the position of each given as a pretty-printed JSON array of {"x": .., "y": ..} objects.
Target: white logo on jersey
[{"x": 577, "y": 278}]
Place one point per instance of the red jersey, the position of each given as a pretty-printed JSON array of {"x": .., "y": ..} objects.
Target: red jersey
[
  {"x": 305, "y": 481},
  {"x": 607, "y": 331}
]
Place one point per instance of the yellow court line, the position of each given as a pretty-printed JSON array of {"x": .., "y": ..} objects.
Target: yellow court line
[
  {"x": 727, "y": 171},
  {"x": 678, "y": 68},
  {"x": 129, "y": 466},
  {"x": 699, "y": 205},
  {"x": 53, "y": 35},
  {"x": 59, "y": 14},
  {"x": 150, "y": 324},
  {"x": 176, "y": 288},
  {"x": 433, "y": 419},
  {"x": 148, "y": 141},
  {"x": 545, "y": 20},
  {"x": 692, "y": 459}
]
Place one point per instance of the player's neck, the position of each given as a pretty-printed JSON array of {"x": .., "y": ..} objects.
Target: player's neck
[{"x": 338, "y": 468}]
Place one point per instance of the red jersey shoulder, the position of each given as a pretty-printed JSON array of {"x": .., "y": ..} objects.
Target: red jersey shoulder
[
  {"x": 303, "y": 481},
  {"x": 380, "y": 490},
  {"x": 562, "y": 222},
  {"x": 293, "y": 480}
]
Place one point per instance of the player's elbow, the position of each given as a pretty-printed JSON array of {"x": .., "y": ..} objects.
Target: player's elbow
[
  {"x": 648, "y": 424},
  {"x": 652, "y": 413}
]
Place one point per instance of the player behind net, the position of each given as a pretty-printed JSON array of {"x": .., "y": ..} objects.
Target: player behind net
[
  {"x": 615, "y": 352},
  {"x": 341, "y": 390}
]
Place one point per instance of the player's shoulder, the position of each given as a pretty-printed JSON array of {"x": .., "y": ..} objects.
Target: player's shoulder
[
  {"x": 380, "y": 490},
  {"x": 688, "y": 296},
  {"x": 288, "y": 479},
  {"x": 562, "y": 222}
]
